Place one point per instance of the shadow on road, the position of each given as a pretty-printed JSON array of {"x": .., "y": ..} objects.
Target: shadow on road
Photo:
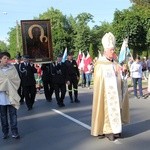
[{"x": 135, "y": 129}]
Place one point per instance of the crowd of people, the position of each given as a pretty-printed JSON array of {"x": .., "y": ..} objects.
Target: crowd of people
[
  {"x": 18, "y": 85},
  {"x": 110, "y": 108},
  {"x": 52, "y": 76}
]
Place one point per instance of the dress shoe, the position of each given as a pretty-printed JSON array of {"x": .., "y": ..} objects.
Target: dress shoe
[
  {"x": 16, "y": 136},
  {"x": 77, "y": 101},
  {"x": 146, "y": 96},
  {"x": 5, "y": 136},
  {"x": 111, "y": 137},
  {"x": 71, "y": 100},
  {"x": 101, "y": 136},
  {"x": 30, "y": 108},
  {"x": 48, "y": 100},
  {"x": 61, "y": 104},
  {"x": 117, "y": 135}
]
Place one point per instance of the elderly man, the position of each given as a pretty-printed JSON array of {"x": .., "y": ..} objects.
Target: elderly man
[{"x": 107, "y": 104}]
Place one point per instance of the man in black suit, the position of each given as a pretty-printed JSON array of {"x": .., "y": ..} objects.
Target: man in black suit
[
  {"x": 20, "y": 90},
  {"x": 60, "y": 78},
  {"x": 74, "y": 75},
  {"x": 47, "y": 81},
  {"x": 27, "y": 71}
]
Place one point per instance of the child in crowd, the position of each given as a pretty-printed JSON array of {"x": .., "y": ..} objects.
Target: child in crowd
[{"x": 9, "y": 98}]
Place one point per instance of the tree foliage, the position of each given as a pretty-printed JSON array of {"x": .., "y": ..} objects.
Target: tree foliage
[
  {"x": 15, "y": 41},
  {"x": 59, "y": 27},
  {"x": 3, "y": 46},
  {"x": 82, "y": 32},
  {"x": 141, "y": 2},
  {"x": 70, "y": 32},
  {"x": 91, "y": 51},
  {"x": 132, "y": 23}
]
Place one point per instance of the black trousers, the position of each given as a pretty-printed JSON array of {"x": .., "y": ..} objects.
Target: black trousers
[
  {"x": 5, "y": 110},
  {"x": 29, "y": 94},
  {"x": 73, "y": 84},
  {"x": 21, "y": 94},
  {"x": 83, "y": 80},
  {"x": 60, "y": 92},
  {"x": 48, "y": 89}
]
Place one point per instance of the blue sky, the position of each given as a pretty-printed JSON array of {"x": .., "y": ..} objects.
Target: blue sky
[{"x": 12, "y": 10}]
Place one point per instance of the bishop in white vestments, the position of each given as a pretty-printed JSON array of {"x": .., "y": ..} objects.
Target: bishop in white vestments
[{"x": 108, "y": 107}]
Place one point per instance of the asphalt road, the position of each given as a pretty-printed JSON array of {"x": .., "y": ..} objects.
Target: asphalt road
[{"x": 48, "y": 127}]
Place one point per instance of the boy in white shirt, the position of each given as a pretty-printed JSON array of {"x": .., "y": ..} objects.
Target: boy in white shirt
[{"x": 9, "y": 98}]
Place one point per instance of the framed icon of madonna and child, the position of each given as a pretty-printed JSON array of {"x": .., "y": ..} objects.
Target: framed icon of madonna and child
[{"x": 37, "y": 40}]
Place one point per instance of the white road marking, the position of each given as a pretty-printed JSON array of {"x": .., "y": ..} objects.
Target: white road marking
[{"x": 73, "y": 119}]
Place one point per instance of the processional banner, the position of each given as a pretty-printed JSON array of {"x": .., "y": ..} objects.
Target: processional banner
[{"x": 37, "y": 40}]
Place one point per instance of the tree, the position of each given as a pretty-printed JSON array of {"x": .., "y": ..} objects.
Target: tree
[
  {"x": 97, "y": 33},
  {"x": 60, "y": 29},
  {"x": 91, "y": 51},
  {"x": 81, "y": 31},
  {"x": 3, "y": 46},
  {"x": 141, "y": 2},
  {"x": 132, "y": 23},
  {"x": 14, "y": 45},
  {"x": 148, "y": 41}
]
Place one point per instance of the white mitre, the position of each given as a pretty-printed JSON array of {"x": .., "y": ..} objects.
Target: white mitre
[{"x": 108, "y": 41}]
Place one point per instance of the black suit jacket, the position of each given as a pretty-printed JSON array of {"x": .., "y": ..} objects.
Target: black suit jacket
[
  {"x": 27, "y": 74},
  {"x": 46, "y": 72},
  {"x": 60, "y": 74},
  {"x": 72, "y": 69},
  {"x": 17, "y": 67}
]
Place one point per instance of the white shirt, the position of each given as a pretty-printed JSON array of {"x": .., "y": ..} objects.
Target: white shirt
[
  {"x": 136, "y": 70},
  {"x": 89, "y": 67},
  {"x": 4, "y": 100},
  {"x": 148, "y": 63}
]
